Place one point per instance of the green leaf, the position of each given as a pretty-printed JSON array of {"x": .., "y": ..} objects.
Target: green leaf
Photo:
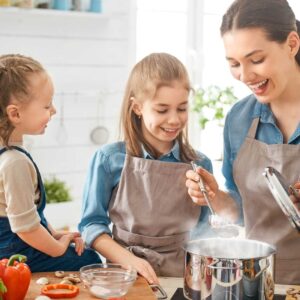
[
  {"x": 56, "y": 191},
  {"x": 211, "y": 103}
]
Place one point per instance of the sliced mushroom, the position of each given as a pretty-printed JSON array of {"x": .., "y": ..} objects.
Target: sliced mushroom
[
  {"x": 65, "y": 281},
  {"x": 59, "y": 274},
  {"x": 74, "y": 280}
]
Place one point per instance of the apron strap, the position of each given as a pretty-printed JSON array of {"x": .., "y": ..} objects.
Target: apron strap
[
  {"x": 161, "y": 243},
  {"x": 253, "y": 128}
]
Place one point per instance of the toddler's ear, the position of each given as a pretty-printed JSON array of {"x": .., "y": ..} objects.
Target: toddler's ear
[{"x": 13, "y": 114}]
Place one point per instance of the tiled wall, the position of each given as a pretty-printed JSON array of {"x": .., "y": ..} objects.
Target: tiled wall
[{"x": 89, "y": 56}]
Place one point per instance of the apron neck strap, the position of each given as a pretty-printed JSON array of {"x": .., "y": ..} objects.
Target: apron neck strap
[{"x": 253, "y": 128}]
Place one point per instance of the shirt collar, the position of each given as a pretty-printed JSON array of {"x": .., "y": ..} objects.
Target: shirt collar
[
  {"x": 173, "y": 152},
  {"x": 264, "y": 112}
]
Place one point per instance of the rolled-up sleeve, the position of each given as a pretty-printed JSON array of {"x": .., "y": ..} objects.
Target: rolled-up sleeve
[
  {"x": 19, "y": 182},
  {"x": 97, "y": 193}
]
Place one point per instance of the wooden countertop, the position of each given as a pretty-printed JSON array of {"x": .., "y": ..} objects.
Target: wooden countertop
[{"x": 139, "y": 291}]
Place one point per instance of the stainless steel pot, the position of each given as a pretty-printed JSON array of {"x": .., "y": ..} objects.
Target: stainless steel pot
[{"x": 220, "y": 268}]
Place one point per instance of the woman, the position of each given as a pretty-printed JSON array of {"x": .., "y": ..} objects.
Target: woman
[{"x": 261, "y": 40}]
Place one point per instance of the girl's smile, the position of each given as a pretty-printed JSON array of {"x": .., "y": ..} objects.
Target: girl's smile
[{"x": 164, "y": 116}]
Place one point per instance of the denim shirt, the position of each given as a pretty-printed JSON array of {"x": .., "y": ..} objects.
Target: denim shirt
[
  {"x": 237, "y": 124},
  {"x": 103, "y": 176}
]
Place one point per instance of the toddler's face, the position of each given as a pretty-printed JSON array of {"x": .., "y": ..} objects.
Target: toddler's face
[{"x": 36, "y": 113}]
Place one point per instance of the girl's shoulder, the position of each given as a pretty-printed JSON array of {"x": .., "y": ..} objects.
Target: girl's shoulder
[
  {"x": 109, "y": 153},
  {"x": 13, "y": 156}
]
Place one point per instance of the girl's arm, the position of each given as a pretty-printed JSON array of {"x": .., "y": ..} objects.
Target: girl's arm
[
  {"x": 43, "y": 241},
  {"x": 117, "y": 254}
]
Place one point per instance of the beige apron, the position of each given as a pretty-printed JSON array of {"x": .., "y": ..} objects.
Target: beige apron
[
  {"x": 152, "y": 213},
  {"x": 264, "y": 220}
]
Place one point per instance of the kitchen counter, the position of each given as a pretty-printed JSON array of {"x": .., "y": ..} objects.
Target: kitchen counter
[{"x": 139, "y": 291}]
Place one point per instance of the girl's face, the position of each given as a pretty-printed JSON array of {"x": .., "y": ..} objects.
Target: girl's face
[
  {"x": 266, "y": 67},
  {"x": 35, "y": 114},
  {"x": 164, "y": 116}
]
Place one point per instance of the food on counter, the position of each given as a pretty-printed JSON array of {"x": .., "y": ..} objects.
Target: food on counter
[
  {"x": 56, "y": 291},
  {"x": 42, "y": 280},
  {"x": 59, "y": 274},
  {"x": 42, "y": 298},
  {"x": 292, "y": 294},
  {"x": 16, "y": 276}
]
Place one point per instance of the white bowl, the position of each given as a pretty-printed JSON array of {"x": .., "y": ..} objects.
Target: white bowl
[{"x": 108, "y": 280}]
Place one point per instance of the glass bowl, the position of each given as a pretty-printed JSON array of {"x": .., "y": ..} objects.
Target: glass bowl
[{"x": 108, "y": 280}]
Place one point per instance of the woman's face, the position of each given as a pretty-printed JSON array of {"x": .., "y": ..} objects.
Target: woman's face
[
  {"x": 164, "y": 116},
  {"x": 266, "y": 67}
]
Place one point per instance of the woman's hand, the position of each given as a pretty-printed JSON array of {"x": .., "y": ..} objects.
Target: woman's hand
[
  {"x": 210, "y": 183},
  {"x": 296, "y": 195}
]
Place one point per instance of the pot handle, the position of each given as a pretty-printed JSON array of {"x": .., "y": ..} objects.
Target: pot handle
[{"x": 157, "y": 289}]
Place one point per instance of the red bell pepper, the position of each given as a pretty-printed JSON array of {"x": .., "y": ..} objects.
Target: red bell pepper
[{"x": 16, "y": 276}]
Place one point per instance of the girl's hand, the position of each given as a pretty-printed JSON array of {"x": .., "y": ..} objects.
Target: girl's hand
[
  {"x": 211, "y": 185},
  {"x": 143, "y": 268},
  {"x": 69, "y": 237}
]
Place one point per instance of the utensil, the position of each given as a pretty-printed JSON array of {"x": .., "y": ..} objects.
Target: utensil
[
  {"x": 282, "y": 193},
  {"x": 223, "y": 227},
  {"x": 220, "y": 268},
  {"x": 108, "y": 280},
  {"x": 100, "y": 134}
]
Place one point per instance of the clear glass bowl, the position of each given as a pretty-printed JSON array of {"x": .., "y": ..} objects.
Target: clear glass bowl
[{"x": 108, "y": 280}]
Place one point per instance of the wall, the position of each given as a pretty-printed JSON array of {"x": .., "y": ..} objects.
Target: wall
[{"x": 88, "y": 56}]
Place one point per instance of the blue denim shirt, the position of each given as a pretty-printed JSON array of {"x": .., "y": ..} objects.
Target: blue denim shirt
[
  {"x": 103, "y": 176},
  {"x": 237, "y": 124}
]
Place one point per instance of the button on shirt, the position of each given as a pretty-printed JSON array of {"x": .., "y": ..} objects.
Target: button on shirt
[
  {"x": 103, "y": 176},
  {"x": 237, "y": 124}
]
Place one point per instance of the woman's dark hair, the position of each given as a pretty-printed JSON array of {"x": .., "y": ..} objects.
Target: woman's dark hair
[{"x": 275, "y": 17}]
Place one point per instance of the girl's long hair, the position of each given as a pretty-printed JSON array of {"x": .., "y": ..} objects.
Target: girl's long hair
[{"x": 148, "y": 75}]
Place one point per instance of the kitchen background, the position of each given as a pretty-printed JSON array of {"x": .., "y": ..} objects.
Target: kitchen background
[{"x": 89, "y": 56}]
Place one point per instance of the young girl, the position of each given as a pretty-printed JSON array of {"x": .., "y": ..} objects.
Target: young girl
[
  {"x": 26, "y": 93},
  {"x": 139, "y": 184}
]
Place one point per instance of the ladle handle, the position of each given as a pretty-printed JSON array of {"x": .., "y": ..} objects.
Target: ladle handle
[{"x": 203, "y": 189}]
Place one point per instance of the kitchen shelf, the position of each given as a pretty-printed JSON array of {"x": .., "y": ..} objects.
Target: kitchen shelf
[{"x": 54, "y": 12}]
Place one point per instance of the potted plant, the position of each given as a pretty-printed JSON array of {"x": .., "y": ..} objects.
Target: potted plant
[
  {"x": 56, "y": 191},
  {"x": 212, "y": 104},
  {"x": 60, "y": 211}
]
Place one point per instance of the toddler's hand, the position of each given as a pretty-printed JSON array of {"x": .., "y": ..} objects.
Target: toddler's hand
[{"x": 79, "y": 245}]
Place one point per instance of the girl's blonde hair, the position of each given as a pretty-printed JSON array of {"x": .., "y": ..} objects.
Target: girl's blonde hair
[
  {"x": 15, "y": 70},
  {"x": 148, "y": 75}
]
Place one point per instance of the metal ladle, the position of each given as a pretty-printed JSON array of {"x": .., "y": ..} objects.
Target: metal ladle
[{"x": 220, "y": 225}]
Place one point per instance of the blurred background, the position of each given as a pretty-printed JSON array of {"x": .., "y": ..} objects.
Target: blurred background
[{"x": 89, "y": 48}]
